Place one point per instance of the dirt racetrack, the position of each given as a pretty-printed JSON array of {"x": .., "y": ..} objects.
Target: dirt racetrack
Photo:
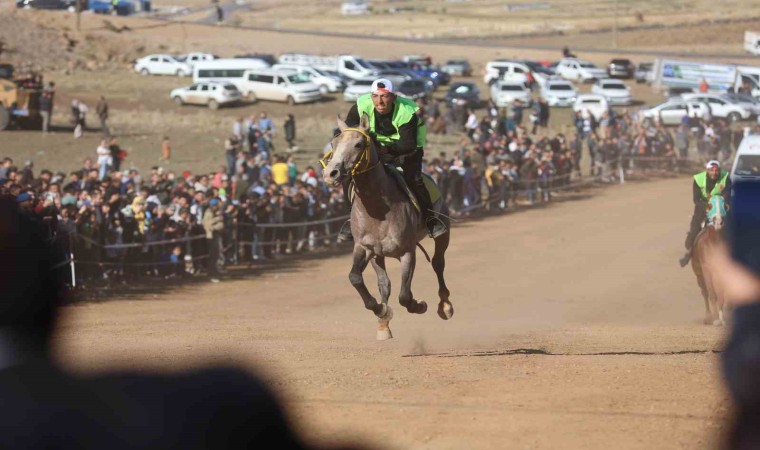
[{"x": 592, "y": 282}]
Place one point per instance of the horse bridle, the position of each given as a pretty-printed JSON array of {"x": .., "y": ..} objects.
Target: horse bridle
[{"x": 363, "y": 158}]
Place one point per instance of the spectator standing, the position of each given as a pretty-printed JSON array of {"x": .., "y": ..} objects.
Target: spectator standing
[
  {"x": 213, "y": 225},
  {"x": 166, "y": 149},
  {"x": 102, "y": 110},
  {"x": 219, "y": 15},
  {"x": 543, "y": 113},
  {"x": 104, "y": 159},
  {"x": 703, "y": 86},
  {"x": 231, "y": 146},
  {"x": 46, "y": 107},
  {"x": 117, "y": 154},
  {"x": 266, "y": 126},
  {"x": 471, "y": 125},
  {"x": 682, "y": 141},
  {"x": 280, "y": 172},
  {"x": 290, "y": 131},
  {"x": 50, "y": 91}
]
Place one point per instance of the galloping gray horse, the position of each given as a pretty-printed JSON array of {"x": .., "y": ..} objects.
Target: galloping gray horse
[{"x": 383, "y": 223}]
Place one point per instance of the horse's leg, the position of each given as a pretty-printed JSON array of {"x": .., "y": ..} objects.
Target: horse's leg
[
  {"x": 405, "y": 298},
  {"x": 445, "y": 308},
  {"x": 384, "y": 284},
  {"x": 702, "y": 287},
  {"x": 361, "y": 259}
]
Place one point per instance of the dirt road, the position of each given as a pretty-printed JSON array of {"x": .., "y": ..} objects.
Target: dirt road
[{"x": 588, "y": 281}]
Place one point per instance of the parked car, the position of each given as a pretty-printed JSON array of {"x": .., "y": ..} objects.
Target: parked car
[
  {"x": 326, "y": 82},
  {"x": 559, "y": 93},
  {"x": 458, "y": 67},
  {"x": 675, "y": 92},
  {"x": 621, "y": 68},
  {"x": 615, "y": 91},
  {"x": 595, "y": 104},
  {"x": 507, "y": 71},
  {"x": 673, "y": 111},
  {"x": 47, "y": 4},
  {"x": 437, "y": 76},
  {"x": 504, "y": 93},
  {"x": 643, "y": 73},
  {"x": 162, "y": 65},
  {"x": 414, "y": 89},
  {"x": 540, "y": 72},
  {"x": 745, "y": 100},
  {"x": 463, "y": 94},
  {"x": 747, "y": 162},
  {"x": 721, "y": 106},
  {"x": 398, "y": 76},
  {"x": 211, "y": 94},
  {"x": 192, "y": 58},
  {"x": 268, "y": 84},
  {"x": 580, "y": 70},
  {"x": 358, "y": 88},
  {"x": 266, "y": 57}
]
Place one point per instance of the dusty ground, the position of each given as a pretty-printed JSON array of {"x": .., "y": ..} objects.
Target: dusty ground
[{"x": 587, "y": 280}]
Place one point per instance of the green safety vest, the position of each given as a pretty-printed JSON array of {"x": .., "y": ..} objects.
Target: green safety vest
[
  {"x": 403, "y": 110},
  {"x": 701, "y": 180}
]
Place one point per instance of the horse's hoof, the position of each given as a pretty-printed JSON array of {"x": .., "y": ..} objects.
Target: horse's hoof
[
  {"x": 386, "y": 313},
  {"x": 417, "y": 307},
  {"x": 445, "y": 310},
  {"x": 717, "y": 323},
  {"x": 384, "y": 334}
]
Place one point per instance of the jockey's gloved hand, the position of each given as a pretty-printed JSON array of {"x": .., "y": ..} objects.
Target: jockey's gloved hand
[{"x": 387, "y": 158}]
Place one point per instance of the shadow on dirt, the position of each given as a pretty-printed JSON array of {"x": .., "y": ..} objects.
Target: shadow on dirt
[{"x": 543, "y": 352}]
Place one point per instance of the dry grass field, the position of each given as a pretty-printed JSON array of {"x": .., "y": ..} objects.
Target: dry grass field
[{"x": 97, "y": 61}]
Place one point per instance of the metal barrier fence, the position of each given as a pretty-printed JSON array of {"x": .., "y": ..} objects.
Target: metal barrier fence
[{"x": 259, "y": 241}]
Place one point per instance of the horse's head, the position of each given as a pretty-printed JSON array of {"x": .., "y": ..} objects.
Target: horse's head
[
  {"x": 716, "y": 211},
  {"x": 351, "y": 152}
]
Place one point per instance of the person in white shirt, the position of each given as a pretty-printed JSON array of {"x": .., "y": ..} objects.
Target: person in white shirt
[
  {"x": 105, "y": 160},
  {"x": 471, "y": 125}
]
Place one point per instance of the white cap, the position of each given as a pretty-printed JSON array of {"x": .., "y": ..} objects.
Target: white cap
[
  {"x": 381, "y": 86},
  {"x": 712, "y": 162}
]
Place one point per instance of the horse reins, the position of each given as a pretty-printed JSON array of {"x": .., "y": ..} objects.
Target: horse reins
[{"x": 365, "y": 156}]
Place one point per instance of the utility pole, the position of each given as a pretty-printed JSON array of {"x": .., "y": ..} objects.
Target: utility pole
[
  {"x": 615, "y": 27},
  {"x": 79, "y": 10}
]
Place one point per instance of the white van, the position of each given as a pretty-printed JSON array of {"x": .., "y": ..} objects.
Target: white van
[
  {"x": 349, "y": 66},
  {"x": 747, "y": 162},
  {"x": 226, "y": 70},
  {"x": 279, "y": 86},
  {"x": 326, "y": 82}
]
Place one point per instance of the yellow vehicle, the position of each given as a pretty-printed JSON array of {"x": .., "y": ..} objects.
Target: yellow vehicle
[{"x": 19, "y": 99}]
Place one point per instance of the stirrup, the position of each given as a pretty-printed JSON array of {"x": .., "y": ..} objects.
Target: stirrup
[
  {"x": 435, "y": 227},
  {"x": 345, "y": 232}
]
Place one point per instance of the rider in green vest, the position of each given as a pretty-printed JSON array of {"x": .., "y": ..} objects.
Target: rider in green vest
[
  {"x": 713, "y": 181},
  {"x": 400, "y": 137}
]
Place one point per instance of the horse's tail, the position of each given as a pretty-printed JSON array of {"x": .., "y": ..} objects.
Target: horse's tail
[{"x": 424, "y": 252}]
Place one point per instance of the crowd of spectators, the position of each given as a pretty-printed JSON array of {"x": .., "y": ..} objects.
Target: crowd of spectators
[
  {"x": 501, "y": 156},
  {"x": 123, "y": 224}
]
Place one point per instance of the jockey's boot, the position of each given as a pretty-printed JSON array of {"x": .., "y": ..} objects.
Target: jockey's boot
[
  {"x": 685, "y": 259},
  {"x": 435, "y": 226},
  {"x": 345, "y": 232},
  {"x": 690, "y": 236}
]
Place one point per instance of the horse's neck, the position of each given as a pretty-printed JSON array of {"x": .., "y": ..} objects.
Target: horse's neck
[{"x": 372, "y": 187}]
